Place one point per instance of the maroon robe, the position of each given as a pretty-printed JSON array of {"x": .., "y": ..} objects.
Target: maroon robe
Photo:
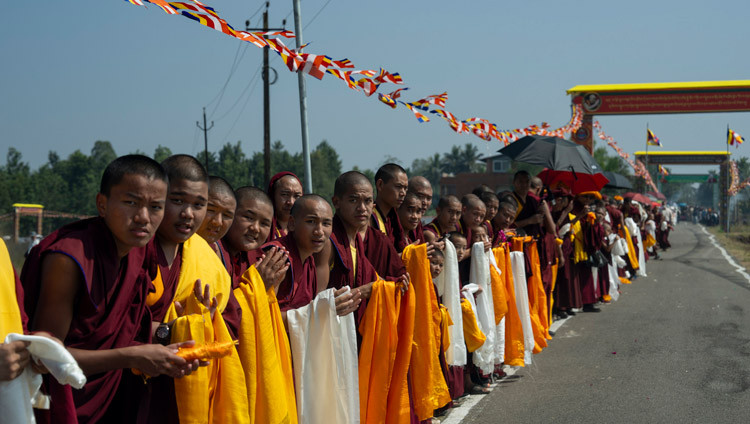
[
  {"x": 416, "y": 234},
  {"x": 110, "y": 313},
  {"x": 393, "y": 228},
  {"x": 567, "y": 293},
  {"x": 170, "y": 276},
  {"x": 300, "y": 284},
  {"x": 466, "y": 231},
  {"x": 238, "y": 263},
  {"x": 343, "y": 273},
  {"x": 19, "y": 300},
  {"x": 382, "y": 255}
]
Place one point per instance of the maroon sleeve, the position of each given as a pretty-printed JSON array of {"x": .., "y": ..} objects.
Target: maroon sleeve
[
  {"x": 19, "y": 300},
  {"x": 233, "y": 316}
]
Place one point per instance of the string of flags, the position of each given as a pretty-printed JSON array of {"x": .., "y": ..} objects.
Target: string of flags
[
  {"x": 735, "y": 185},
  {"x": 639, "y": 169},
  {"x": 365, "y": 80}
]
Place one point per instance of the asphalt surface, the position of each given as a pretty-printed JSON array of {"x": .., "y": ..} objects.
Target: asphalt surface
[{"x": 674, "y": 349}]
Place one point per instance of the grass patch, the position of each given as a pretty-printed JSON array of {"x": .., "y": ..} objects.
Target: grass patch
[{"x": 737, "y": 242}]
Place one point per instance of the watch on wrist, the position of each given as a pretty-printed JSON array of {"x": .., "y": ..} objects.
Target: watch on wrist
[{"x": 163, "y": 334}]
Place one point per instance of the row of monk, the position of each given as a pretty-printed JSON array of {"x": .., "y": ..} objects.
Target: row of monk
[{"x": 303, "y": 312}]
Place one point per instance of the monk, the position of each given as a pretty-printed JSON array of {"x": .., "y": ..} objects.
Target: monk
[
  {"x": 567, "y": 293},
  {"x": 86, "y": 284},
  {"x": 283, "y": 189},
  {"x": 491, "y": 202},
  {"x": 473, "y": 211},
  {"x": 310, "y": 226},
  {"x": 391, "y": 183},
  {"x": 448, "y": 213},
  {"x": 343, "y": 260},
  {"x": 219, "y": 215},
  {"x": 410, "y": 215},
  {"x": 190, "y": 286},
  {"x": 422, "y": 188},
  {"x": 251, "y": 227}
]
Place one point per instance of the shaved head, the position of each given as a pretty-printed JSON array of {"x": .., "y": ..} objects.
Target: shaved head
[
  {"x": 246, "y": 193},
  {"x": 130, "y": 165},
  {"x": 536, "y": 183},
  {"x": 219, "y": 186},
  {"x": 185, "y": 167},
  {"x": 472, "y": 201},
  {"x": 418, "y": 182},
  {"x": 305, "y": 203},
  {"x": 347, "y": 180},
  {"x": 388, "y": 172},
  {"x": 447, "y": 201}
]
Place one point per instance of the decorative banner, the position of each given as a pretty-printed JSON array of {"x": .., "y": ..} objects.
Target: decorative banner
[
  {"x": 638, "y": 167},
  {"x": 735, "y": 186},
  {"x": 319, "y": 65},
  {"x": 733, "y": 138}
]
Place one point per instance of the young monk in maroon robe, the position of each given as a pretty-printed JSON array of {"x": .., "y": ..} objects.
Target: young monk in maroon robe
[
  {"x": 250, "y": 228},
  {"x": 343, "y": 260},
  {"x": 86, "y": 284},
  {"x": 310, "y": 226},
  {"x": 219, "y": 215},
  {"x": 410, "y": 215},
  {"x": 567, "y": 293},
  {"x": 391, "y": 182},
  {"x": 491, "y": 202},
  {"x": 448, "y": 213},
  {"x": 283, "y": 189},
  {"x": 422, "y": 188},
  {"x": 473, "y": 211}
]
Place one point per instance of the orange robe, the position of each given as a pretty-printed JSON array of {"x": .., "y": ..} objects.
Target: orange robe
[
  {"x": 430, "y": 390},
  {"x": 472, "y": 334},
  {"x": 398, "y": 406},
  {"x": 514, "y": 341},
  {"x": 265, "y": 353},
  {"x": 377, "y": 353}
]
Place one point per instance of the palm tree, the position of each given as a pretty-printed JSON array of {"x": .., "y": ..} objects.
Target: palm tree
[
  {"x": 452, "y": 161},
  {"x": 470, "y": 157}
]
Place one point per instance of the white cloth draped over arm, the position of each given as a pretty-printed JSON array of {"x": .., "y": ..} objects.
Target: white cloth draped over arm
[
  {"x": 20, "y": 395},
  {"x": 522, "y": 303},
  {"x": 450, "y": 291},
  {"x": 636, "y": 232},
  {"x": 324, "y": 353},
  {"x": 484, "y": 357}
]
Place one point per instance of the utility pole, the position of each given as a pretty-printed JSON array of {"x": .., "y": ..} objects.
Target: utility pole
[
  {"x": 205, "y": 136},
  {"x": 266, "y": 97},
  {"x": 302, "y": 102}
]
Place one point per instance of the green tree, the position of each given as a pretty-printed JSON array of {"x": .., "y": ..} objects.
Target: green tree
[
  {"x": 161, "y": 153},
  {"x": 233, "y": 165},
  {"x": 611, "y": 163},
  {"x": 326, "y": 167}
]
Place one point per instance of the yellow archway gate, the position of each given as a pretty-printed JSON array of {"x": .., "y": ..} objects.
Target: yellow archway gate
[{"x": 661, "y": 98}]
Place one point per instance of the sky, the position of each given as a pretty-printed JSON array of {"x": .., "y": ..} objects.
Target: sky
[{"x": 108, "y": 70}]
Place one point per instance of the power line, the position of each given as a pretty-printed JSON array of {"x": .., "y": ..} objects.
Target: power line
[
  {"x": 316, "y": 15},
  {"x": 247, "y": 100},
  {"x": 233, "y": 68},
  {"x": 242, "y": 94}
]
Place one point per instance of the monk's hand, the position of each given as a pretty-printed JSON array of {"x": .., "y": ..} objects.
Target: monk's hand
[
  {"x": 487, "y": 244},
  {"x": 155, "y": 359},
  {"x": 203, "y": 294},
  {"x": 14, "y": 357},
  {"x": 430, "y": 249},
  {"x": 438, "y": 244},
  {"x": 347, "y": 301},
  {"x": 404, "y": 282},
  {"x": 365, "y": 290},
  {"x": 272, "y": 266}
]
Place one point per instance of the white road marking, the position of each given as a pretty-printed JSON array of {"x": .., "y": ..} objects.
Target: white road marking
[{"x": 740, "y": 269}]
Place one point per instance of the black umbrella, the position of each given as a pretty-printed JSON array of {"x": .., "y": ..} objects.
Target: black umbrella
[
  {"x": 553, "y": 153},
  {"x": 617, "y": 180}
]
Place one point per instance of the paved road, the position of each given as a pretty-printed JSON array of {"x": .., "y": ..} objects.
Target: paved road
[{"x": 674, "y": 349}]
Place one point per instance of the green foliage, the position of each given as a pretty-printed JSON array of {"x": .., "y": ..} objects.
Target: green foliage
[{"x": 611, "y": 163}]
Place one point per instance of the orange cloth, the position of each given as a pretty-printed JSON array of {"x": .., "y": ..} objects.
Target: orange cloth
[
  {"x": 551, "y": 300},
  {"x": 499, "y": 295},
  {"x": 514, "y": 346},
  {"x": 430, "y": 390},
  {"x": 632, "y": 255},
  {"x": 399, "y": 409},
  {"x": 472, "y": 334},
  {"x": 377, "y": 353},
  {"x": 10, "y": 314},
  {"x": 265, "y": 353},
  {"x": 445, "y": 322},
  {"x": 537, "y": 300}
]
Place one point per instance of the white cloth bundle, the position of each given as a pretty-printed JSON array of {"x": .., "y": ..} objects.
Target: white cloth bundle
[
  {"x": 449, "y": 289},
  {"x": 484, "y": 357},
  {"x": 20, "y": 395},
  {"x": 522, "y": 303},
  {"x": 565, "y": 229},
  {"x": 636, "y": 232},
  {"x": 324, "y": 351}
]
